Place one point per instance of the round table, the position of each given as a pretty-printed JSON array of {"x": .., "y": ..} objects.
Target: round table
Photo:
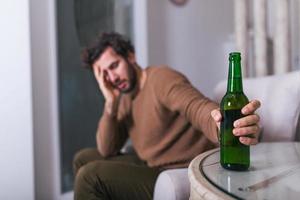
[{"x": 274, "y": 173}]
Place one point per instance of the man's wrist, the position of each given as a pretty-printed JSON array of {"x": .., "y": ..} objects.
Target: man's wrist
[{"x": 111, "y": 108}]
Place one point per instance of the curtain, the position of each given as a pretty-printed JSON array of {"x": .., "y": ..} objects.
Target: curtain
[{"x": 264, "y": 50}]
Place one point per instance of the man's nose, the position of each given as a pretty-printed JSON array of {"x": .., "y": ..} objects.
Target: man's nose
[{"x": 113, "y": 77}]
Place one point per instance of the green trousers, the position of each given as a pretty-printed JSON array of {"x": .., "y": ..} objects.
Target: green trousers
[{"x": 116, "y": 178}]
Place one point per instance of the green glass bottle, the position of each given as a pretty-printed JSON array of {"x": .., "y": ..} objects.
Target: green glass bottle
[{"x": 233, "y": 154}]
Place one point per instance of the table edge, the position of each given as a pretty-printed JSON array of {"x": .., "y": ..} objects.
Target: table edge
[{"x": 205, "y": 188}]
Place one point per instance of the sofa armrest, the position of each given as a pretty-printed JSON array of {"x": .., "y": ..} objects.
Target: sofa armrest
[{"x": 172, "y": 184}]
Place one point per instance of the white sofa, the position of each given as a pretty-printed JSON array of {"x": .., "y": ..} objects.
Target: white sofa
[{"x": 280, "y": 98}]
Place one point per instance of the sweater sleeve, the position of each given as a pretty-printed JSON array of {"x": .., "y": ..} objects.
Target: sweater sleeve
[
  {"x": 177, "y": 94},
  {"x": 111, "y": 135}
]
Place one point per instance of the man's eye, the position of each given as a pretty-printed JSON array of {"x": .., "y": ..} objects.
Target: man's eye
[{"x": 114, "y": 65}]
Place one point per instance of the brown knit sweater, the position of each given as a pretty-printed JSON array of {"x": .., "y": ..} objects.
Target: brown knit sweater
[{"x": 168, "y": 121}]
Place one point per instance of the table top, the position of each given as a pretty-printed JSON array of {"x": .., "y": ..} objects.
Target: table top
[{"x": 274, "y": 173}]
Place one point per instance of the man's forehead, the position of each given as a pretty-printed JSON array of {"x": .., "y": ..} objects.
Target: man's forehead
[{"x": 107, "y": 58}]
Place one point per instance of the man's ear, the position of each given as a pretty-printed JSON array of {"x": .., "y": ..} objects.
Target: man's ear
[{"x": 131, "y": 57}]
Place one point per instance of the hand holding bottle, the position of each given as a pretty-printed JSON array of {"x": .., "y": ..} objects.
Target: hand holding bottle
[{"x": 246, "y": 127}]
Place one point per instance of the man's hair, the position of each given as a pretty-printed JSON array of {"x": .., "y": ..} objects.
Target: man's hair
[{"x": 121, "y": 45}]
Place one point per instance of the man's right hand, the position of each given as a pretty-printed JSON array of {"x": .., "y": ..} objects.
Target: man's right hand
[{"x": 110, "y": 93}]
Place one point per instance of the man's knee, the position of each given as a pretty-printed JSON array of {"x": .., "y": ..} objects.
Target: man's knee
[
  {"x": 95, "y": 177},
  {"x": 83, "y": 157},
  {"x": 85, "y": 171},
  {"x": 87, "y": 181}
]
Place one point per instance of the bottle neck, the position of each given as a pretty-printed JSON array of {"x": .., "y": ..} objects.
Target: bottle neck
[{"x": 234, "y": 83}]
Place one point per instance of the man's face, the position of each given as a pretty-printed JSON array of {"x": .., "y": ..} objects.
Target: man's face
[{"x": 119, "y": 72}]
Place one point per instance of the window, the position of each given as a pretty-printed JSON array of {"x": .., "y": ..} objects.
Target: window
[{"x": 80, "y": 100}]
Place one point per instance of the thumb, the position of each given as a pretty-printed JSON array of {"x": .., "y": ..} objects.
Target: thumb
[{"x": 216, "y": 115}]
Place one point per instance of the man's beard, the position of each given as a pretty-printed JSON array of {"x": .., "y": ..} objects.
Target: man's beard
[{"x": 132, "y": 78}]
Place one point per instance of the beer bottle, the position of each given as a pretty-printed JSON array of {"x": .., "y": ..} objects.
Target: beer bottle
[{"x": 233, "y": 154}]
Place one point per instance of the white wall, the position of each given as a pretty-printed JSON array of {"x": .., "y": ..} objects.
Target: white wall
[
  {"x": 45, "y": 100},
  {"x": 140, "y": 30},
  {"x": 191, "y": 39},
  {"x": 16, "y": 135}
]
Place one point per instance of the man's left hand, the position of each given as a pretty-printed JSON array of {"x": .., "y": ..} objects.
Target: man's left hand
[{"x": 247, "y": 127}]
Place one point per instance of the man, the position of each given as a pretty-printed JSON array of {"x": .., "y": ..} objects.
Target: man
[{"x": 168, "y": 121}]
